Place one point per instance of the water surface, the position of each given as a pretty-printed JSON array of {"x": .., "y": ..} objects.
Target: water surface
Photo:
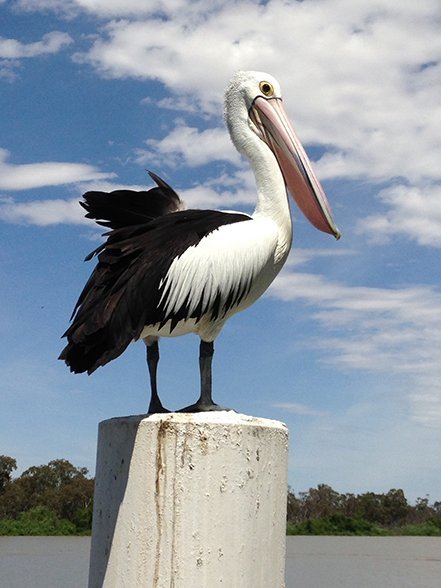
[
  {"x": 311, "y": 562},
  {"x": 363, "y": 562},
  {"x": 44, "y": 562}
]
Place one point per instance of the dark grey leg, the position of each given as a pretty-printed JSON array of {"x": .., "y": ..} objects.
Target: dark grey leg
[
  {"x": 205, "y": 402},
  {"x": 206, "y": 351},
  {"x": 152, "y": 362}
]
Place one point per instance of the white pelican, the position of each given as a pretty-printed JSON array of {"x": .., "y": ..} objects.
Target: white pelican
[{"x": 165, "y": 272}]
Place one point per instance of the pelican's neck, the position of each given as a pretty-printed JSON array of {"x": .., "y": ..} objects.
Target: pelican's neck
[{"x": 272, "y": 200}]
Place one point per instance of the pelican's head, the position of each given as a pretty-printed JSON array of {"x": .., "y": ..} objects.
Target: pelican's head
[{"x": 253, "y": 100}]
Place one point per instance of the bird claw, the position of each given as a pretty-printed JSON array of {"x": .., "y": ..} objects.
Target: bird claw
[
  {"x": 157, "y": 409},
  {"x": 203, "y": 407}
]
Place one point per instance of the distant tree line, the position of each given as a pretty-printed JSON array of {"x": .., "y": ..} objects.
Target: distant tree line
[
  {"x": 57, "y": 499},
  {"x": 323, "y": 511},
  {"x": 52, "y": 499}
]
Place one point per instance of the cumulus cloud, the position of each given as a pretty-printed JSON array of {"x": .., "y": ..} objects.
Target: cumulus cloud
[
  {"x": 17, "y": 177},
  {"x": 207, "y": 196},
  {"x": 66, "y": 8},
  {"x": 298, "y": 408},
  {"x": 42, "y": 212},
  {"x": 186, "y": 145},
  {"x": 414, "y": 212},
  {"x": 395, "y": 331},
  {"x": 302, "y": 256},
  {"x": 13, "y": 51},
  {"x": 8, "y": 69},
  {"x": 35, "y": 175},
  {"x": 177, "y": 103},
  {"x": 118, "y": 8},
  {"x": 50, "y": 43}
]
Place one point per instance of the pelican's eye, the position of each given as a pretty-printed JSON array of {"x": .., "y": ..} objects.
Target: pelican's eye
[{"x": 266, "y": 88}]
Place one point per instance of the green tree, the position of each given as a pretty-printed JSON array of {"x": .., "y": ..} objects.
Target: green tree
[
  {"x": 7, "y": 466},
  {"x": 59, "y": 487},
  {"x": 395, "y": 508},
  {"x": 320, "y": 502},
  {"x": 46, "y": 485},
  {"x": 369, "y": 507},
  {"x": 294, "y": 508},
  {"x": 37, "y": 521}
]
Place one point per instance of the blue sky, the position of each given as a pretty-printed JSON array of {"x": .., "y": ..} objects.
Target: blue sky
[{"x": 346, "y": 345}]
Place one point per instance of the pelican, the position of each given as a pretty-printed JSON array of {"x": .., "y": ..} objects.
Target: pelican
[{"x": 165, "y": 271}]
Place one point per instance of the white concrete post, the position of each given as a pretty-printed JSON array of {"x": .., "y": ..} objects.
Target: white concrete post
[{"x": 190, "y": 501}]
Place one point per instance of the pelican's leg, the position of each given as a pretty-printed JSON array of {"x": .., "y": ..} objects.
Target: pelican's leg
[
  {"x": 152, "y": 362},
  {"x": 205, "y": 402}
]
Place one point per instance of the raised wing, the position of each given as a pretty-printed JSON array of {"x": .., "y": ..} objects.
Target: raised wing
[{"x": 123, "y": 208}]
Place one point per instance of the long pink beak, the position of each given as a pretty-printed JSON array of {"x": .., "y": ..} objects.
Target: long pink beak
[{"x": 271, "y": 120}]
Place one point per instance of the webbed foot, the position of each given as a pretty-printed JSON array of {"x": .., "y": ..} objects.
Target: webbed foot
[
  {"x": 203, "y": 407},
  {"x": 157, "y": 408}
]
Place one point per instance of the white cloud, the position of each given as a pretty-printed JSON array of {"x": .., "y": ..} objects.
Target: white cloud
[
  {"x": 35, "y": 175},
  {"x": 302, "y": 256},
  {"x": 177, "y": 103},
  {"x": 66, "y": 8},
  {"x": 106, "y": 186},
  {"x": 414, "y": 212},
  {"x": 12, "y": 51},
  {"x": 27, "y": 176},
  {"x": 53, "y": 211},
  {"x": 188, "y": 146},
  {"x": 8, "y": 69},
  {"x": 118, "y": 8},
  {"x": 208, "y": 197},
  {"x": 426, "y": 400},
  {"x": 297, "y": 408},
  {"x": 50, "y": 43},
  {"x": 42, "y": 212},
  {"x": 380, "y": 330}
]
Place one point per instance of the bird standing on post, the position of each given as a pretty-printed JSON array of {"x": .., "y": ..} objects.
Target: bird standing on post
[{"x": 165, "y": 272}]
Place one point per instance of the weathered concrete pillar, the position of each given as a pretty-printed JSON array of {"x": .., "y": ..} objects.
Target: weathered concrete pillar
[{"x": 190, "y": 501}]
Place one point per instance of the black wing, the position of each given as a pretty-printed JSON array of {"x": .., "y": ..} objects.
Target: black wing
[
  {"x": 123, "y": 293},
  {"x": 123, "y": 208}
]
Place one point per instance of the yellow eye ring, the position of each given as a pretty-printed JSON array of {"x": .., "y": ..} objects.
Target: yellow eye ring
[{"x": 266, "y": 88}]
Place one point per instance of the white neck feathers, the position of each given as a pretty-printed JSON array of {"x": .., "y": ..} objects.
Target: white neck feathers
[{"x": 271, "y": 191}]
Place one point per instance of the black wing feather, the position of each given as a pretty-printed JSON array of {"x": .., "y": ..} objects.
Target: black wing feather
[
  {"x": 123, "y": 208},
  {"x": 123, "y": 293}
]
